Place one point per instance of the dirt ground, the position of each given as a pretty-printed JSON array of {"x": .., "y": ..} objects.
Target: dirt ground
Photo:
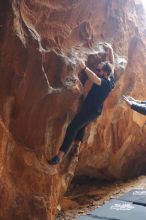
[{"x": 85, "y": 195}]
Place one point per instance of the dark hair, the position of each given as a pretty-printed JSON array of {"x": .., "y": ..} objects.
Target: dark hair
[{"x": 107, "y": 68}]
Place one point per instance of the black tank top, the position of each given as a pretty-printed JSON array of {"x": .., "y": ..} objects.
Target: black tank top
[{"x": 97, "y": 95}]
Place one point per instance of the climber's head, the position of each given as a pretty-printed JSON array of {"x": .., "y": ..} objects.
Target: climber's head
[{"x": 104, "y": 69}]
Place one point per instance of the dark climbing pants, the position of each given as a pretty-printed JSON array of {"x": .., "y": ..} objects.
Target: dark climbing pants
[{"x": 76, "y": 128}]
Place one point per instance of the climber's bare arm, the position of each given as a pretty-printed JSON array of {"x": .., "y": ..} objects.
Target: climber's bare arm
[
  {"x": 110, "y": 55},
  {"x": 87, "y": 87},
  {"x": 92, "y": 76}
]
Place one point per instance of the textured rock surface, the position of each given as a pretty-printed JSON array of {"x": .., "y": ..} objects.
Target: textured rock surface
[{"x": 40, "y": 92}]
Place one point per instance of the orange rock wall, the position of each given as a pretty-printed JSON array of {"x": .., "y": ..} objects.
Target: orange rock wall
[{"x": 41, "y": 91}]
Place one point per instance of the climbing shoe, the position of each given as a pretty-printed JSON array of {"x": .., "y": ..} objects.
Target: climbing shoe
[{"x": 55, "y": 160}]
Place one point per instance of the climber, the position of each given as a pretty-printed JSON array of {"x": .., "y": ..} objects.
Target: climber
[
  {"x": 136, "y": 105},
  {"x": 92, "y": 106}
]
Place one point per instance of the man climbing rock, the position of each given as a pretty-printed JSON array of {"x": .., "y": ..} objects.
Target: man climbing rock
[
  {"x": 102, "y": 84},
  {"x": 136, "y": 105}
]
